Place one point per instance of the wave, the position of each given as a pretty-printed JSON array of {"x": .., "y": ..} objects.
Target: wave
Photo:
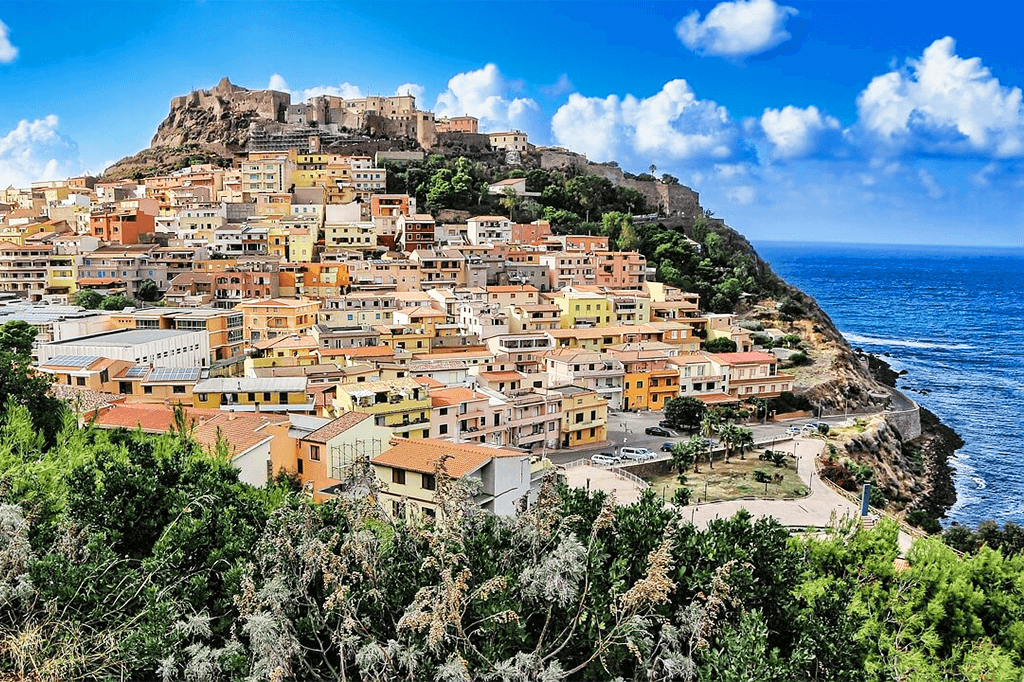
[{"x": 902, "y": 343}]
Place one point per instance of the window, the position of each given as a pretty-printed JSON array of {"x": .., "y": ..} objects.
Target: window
[
  {"x": 443, "y": 429},
  {"x": 80, "y": 381},
  {"x": 299, "y": 465},
  {"x": 427, "y": 481},
  {"x": 398, "y": 476},
  {"x": 178, "y": 389},
  {"x": 314, "y": 453}
]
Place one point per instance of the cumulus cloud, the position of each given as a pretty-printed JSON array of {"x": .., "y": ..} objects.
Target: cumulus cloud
[
  {"x": 8, "y": 52},
  {"x": 560, "y": 87},
  {"x": 797, "y": 133},
  {"x": 345, "y": 90},
  {"x": 736, "y": 29},
  {"x": 484, "y": 93},
  {"x": 672, "y": 125},
  {"x": 34, "y": 150},
  {"x": 414, "y": 89},
  {"x": 277, "y": 82},
  {"x": 942, "y": 104}
]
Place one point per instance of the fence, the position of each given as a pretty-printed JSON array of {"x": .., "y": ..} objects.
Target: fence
[{"x": 614, "y": 469}]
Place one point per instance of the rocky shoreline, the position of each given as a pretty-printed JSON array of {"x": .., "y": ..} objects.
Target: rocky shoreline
[{"x": 934, "y": 447}]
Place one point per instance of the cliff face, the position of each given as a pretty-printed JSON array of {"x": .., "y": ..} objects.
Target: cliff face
[{"x": 219, "y": 119}]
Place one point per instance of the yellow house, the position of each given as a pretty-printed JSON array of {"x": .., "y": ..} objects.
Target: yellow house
[
  {"x": 585, "y": 420},
  {"x": 283, "y": 351},
  {"x": 62, "y": 273},
  {"x": 583, "y": 309},
  {"x": 399, "y": 404},
  {"x": 400, "y": 337},
  {"x": 252, "y": 394},
  {"x": 650, "y": 381}
]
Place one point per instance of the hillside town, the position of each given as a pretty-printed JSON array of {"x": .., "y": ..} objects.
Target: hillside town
[{"x": 307, "y": 319}]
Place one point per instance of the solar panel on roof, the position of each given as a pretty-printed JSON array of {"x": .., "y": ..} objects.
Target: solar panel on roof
[
  {"x": 72, "y": 360},
  {"x": 137, "y": 371},
  {"x": 175, "y": 374}
]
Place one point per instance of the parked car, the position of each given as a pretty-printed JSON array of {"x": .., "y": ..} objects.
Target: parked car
[
  {"x": 605, "y": 459},
  {"x": 658, "y": 431},
  {"x": 793, "y": 431},
  {"x": 637, "y": 454},
  {"x": 665, "y": 424},
  {"x": 667, "y": 447}
]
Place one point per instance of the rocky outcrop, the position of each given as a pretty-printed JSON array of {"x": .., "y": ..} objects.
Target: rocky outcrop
[{"x": 219, "y": 119}]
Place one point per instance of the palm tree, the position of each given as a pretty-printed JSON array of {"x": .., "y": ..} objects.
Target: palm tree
[
  {"x": 744, "y": 440},
  {"x": 728, "y": 434}
]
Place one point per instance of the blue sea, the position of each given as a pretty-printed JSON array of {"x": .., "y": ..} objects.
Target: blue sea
[{"x": 953, "y": 318}]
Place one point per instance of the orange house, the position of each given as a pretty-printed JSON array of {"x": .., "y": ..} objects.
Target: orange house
[{"x": 122, "y": 227}]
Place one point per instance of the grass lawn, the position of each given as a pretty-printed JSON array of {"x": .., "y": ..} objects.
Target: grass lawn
[{"x": 733, "y": 480}]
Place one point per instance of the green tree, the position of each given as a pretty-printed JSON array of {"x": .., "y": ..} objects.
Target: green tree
[
  {"x": 17, "y": 337},
  {"x": 684, "y": 412},
  {"x": 683, "y": 457},
  {"x": 743, "y": 441},
  {"x": 628, "y": 239},
  {"x": 148, "y": 291},
  {"x": 721, "y": 344},
  {"x": 511, "y": 200},
  {"x": 116, "y": 303},
  {"x": 88, "y": 299}
]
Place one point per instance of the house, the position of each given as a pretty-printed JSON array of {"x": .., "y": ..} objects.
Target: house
[
  {"x": 408, "y": 471},
  {"x": 401, "y": 405},
  {"x": 272, "y": 317},
  {"x": 585, "y": 417},
  {"x": 588, "y": 369},
  {"x": 751, "y": 375},
  {"x": 254, "y": 394},
  {"x": 510, "y": 140},
  {"x": 323, "y": 457}
]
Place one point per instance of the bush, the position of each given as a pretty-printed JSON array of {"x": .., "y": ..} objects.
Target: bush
[
  {"x": 823, "y": 429},
  {"x": 720, "y": 345},
  {"x": 921, "y": 519},
  {"x": 799, "y": 359},
  {"x": 762, "y": 476},
  {"x": 681, "y": 497}
]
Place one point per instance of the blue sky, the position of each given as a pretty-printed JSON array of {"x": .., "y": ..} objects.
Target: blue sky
[{"x": 825, "y": 121}]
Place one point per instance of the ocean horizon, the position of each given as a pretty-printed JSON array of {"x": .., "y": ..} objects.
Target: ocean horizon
[{"x": 947, "y": 315}]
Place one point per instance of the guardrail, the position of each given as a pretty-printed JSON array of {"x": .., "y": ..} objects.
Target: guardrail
[{"x": 613, "y": 468}]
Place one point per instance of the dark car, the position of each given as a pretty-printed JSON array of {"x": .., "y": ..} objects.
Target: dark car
[
  {"x": 665, "y": 424},
  {"x": 667, "y": 447},
  {"x": 658, "y": 431}
]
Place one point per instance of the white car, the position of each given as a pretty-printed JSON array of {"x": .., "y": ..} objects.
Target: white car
[
  {"x": 604, "y": 460},
  {"x": 637, "y": 454},
  {"x": 793, "y": 431}
]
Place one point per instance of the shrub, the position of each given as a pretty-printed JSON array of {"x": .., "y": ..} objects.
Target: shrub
[
  {"x": 799, "y": 359},
  {"x": 681, "y": 497},
  {"x": 720, "y": 345}
]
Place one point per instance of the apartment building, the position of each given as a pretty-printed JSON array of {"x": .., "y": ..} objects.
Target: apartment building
[
  {"x": 254, "y": 394},
  {"x": 121, "y": 227},
  {"x": 24, "y": 269},
  {"x": 489, "y": 229},
  {"x": 751, "y": 375},
  {"x": 620, "y": 269},
  {"x": 415, "y": 232},
  {"x": 585, "y": 417},
  {"x": 272, "y": 317},
  {"x": 224, "y": 328},
  {"x": 401, "y": 405},
  {"x": 122, "y": 268},
  {"x": 587, "y": 369}
]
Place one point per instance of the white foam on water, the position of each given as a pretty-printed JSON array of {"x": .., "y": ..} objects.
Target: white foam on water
[{"x": 855, "y": 338}]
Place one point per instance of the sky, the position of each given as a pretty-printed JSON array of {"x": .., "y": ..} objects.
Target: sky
[{"x": 876, "y": 122}]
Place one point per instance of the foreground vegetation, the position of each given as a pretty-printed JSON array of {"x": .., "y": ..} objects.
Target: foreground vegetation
[{"x": 131, "y": 556}]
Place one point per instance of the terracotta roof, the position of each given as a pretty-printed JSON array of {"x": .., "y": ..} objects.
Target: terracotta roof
[
  {"x": 340, "y": 425},
  {"x": 509, "y": 289},
  {"x": 500, "y": 376},
  {"x": 240, "y": 432},
  {"x": 363, "y": 352},
  {"x": 422, "y": 454},
  {"x": 422, "y": 311},
  {"x": 154, "y": 418},
  {"x": 428, "y": 383},
  {"x": 451, "y": 396}
]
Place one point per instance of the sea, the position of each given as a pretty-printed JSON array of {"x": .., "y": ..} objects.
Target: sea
[{"x": 953, "y": 318}]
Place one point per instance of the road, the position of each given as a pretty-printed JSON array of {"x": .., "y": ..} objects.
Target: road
[{"x": 627, "y": 429}]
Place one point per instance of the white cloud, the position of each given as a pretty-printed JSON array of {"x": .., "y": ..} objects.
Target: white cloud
[
  {"x": 983, "y": 178},
  {"x": 742, "y": 195},
  {"x": 345, "y": 90},
  {"x": 414, "y": 89},
  {"x": 796, "y": 133},
  {"x": 34, "y": 150},
  {"x": 671, "y": 125},
  {"x": 277, "y": 82},
  {"x": 736, "y": 29},
  {"x": 560, "y": 87},
  {"x": 484, "y": 93},
  {"x": 943, "y": 104},
  {"x": 930, "y": 184},
  {"x": 8, "y": 52}
]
